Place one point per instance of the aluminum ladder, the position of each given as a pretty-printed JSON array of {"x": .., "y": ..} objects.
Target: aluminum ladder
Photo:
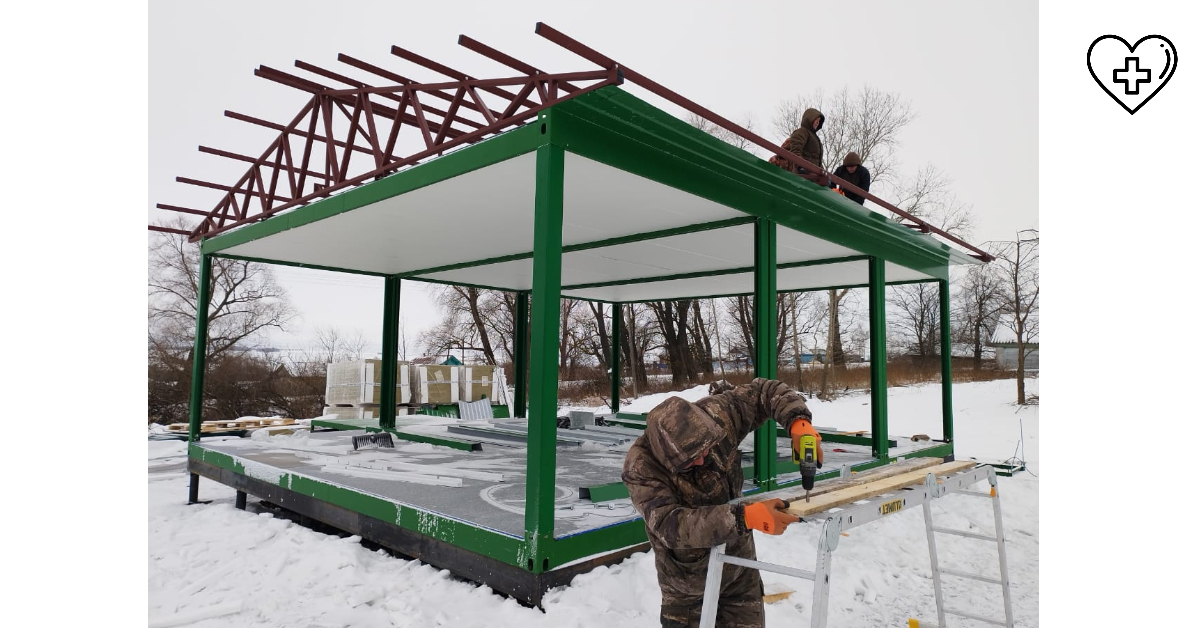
[{"x": 865, "y": 511}]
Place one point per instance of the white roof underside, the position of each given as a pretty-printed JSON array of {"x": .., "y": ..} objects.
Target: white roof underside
[{"x": 488, "y": 213}]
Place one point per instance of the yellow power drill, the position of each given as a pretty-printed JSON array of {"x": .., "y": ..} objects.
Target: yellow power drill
[{"x": 806, "y": 457}]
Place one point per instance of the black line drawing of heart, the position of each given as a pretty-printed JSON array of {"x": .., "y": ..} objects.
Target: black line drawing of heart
[{"x": 1129, "y": 80}]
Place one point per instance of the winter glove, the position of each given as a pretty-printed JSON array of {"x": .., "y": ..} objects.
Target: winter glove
[
  {"x": 769, "y": 516},
  {"x": 801, "y": 427}
]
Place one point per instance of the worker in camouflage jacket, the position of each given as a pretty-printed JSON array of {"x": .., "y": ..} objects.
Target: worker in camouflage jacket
[
  {"x": 683, "y": 472},
  {"x": 805, "y": 143}
]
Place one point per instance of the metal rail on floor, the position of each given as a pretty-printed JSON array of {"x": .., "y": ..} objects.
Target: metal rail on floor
[{"x": 865, "y": 511}]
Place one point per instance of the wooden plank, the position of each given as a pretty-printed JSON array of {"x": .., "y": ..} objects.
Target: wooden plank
[
  {"x": 771, "y": 598},
  {"x": 848, "y": 495},
  {"x": 858, "y": 478}
]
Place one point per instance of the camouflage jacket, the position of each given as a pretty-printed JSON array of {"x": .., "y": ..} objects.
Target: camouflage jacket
[{"x": 687, "y": 510}]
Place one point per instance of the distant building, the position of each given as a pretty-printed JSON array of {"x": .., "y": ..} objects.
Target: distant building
[{"x": 1004, "y": 341}]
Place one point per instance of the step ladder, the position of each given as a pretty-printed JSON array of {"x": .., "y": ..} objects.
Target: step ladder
[{"x": 865, "y": 511}]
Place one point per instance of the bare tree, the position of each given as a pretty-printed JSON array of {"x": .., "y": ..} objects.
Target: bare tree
[
  {"x": 1018, "y": 263},
  {"x": 918, "y": 306},
  {"x": 244, "y": 302},
  {"x": 979, "y": 301},
  {"x": 927, "y": 196},
  {"x": 918, "y": 317}
]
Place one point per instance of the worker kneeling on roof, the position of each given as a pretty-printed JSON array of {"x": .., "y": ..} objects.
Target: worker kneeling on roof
[{"x": 683, "y": 472}]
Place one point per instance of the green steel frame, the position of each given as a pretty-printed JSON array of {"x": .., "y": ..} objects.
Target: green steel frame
[
  {"x": 876, "y": 308},
  {"x": 615, "y": 357},
  {"x": 391, "y": 342},
  {"x": 947, "y": 355},
  {"x": 765, "y": 351},
  {"x": 613, "y": 128}
]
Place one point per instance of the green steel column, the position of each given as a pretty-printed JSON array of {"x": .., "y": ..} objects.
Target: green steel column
[
  {"x": 521, "y": 356},
  {"x": 947, "y": 380},
  {"x": 200, "y": 348},
  {"x": 615, "y": 361},
  {"x": 876, "y": 304},
  {"x": 765, "y": 331},
  {"x": 391, "y": 341},
  {"x": 543, "y": 366}
]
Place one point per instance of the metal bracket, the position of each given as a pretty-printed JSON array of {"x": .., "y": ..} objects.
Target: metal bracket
[{"x": 845, "y": 472}]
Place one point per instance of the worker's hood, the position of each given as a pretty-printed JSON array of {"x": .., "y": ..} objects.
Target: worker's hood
[
  {"x": 852, "y": 159},
  {"x": 811, "y": 114},
  {"x": 679, "y": 432}
]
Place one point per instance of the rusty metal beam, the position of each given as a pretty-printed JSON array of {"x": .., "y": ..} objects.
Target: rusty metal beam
[
  {"x": 650, "y": 85},
  {"x": 392, "y": 76},
  {"x": 390, "y": 96},
  {"x": 346, "y": 96},
  {"x": 225, "y": 188},
  {"x": 224, "y": 153},
  {"x": 167, "y": 230},
  {"x": 279, "y": 127},
  {"x": 479, "y": 47},
  {"x": 182, "y": 210},
  {"x": 413, "y": 57}
]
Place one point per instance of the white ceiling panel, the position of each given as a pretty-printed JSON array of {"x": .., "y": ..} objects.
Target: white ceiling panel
[
  {"x": 602, "y": 202},
  {"x": 477, "y": 215}
]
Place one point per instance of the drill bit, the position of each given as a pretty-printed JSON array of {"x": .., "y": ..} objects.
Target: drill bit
[{"x": 806, "y": 496}]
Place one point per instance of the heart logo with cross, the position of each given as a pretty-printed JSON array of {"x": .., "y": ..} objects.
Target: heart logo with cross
[{"x": 1132, "y": 75}]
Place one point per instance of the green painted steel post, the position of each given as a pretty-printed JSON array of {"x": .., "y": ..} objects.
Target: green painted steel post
[
  {"x": 391, "y": 341},
  {"x": 876, "y": 307},
  {"x": 521, "y": 356},
  {"x": 543, "y": 366},
  {"x": 615, "y": 352},
  {"x": 200, "y": 348},
  {"x": 947, "y": 378},
  {"x": 765, "y": 331}
]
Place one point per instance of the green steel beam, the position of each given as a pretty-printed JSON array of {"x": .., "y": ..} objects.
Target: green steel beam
[
  {"x": 627, "y": 282},
  {"x": 713, "y": 273},
  {"x": 947, "y": 354},
  {"x": 521, "y": 356},
  {"x": 572, "y": 547},
  {"x": 493, "y": 543},
  {"x": 500, "y": 259},
  {"x": 391, "y": 342},
  {"x": 332, "y": 269},
  {"x": 543, "y": 371},
  {"x": 876, "y": 308},
  {"x": 615, "y": 359},
  {"x": 462, "y": 283},
  {"x": 597, "y": 244},
  {"x": 200, "y": 348},
  {"x": 765, "y": 329}
]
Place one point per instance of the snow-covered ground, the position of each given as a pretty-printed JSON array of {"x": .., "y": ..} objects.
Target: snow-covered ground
[{"x": 213, "y": 565}]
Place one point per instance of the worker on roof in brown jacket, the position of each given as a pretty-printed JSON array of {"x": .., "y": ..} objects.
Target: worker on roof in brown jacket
[
  {"x": 805, "y": 143},
  {"x": 683, "y": 472}
]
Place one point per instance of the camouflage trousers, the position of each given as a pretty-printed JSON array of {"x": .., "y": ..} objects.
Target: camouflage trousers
[{"x": 740, "y": 605}]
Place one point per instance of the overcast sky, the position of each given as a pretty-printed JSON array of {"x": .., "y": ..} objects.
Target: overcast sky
[{"x": 969, "y": 70}]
